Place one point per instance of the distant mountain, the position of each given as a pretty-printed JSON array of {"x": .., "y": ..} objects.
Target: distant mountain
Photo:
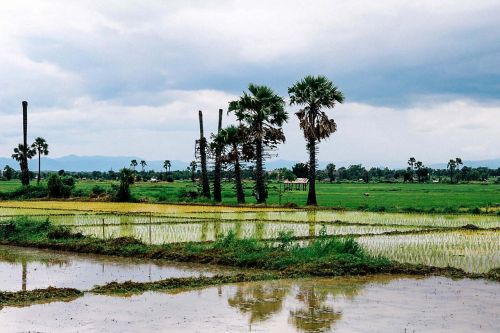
[
  {"x": 91, "y": 163},
  {"x": 492, "y": 164},
  {"x": 106, "y": 163}
]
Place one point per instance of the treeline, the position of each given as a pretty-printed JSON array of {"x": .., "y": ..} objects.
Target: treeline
[{"x": 353, "y": 173}]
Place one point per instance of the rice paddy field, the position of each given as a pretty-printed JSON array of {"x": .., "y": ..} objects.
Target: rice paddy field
[
  {"x": 394, "y": 197},
  {"x": 342, "y": 304},
  {"x": 430, "y": 239}
]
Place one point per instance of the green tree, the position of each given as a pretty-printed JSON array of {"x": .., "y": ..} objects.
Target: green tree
[
  {"x": 330, "y": 171},
  {"x": 42, "y": 148},
  {"x": 234, "y": 138},
  {"x": 192, "y": 166},
  {"x": 22, "y": 154},
  {"x": 452, "y": 164},
  {"x": 263, "y": 113},
  {"x": 301, "y": 170},
  {"x": 133, "y": 164},
  {"x": 143, "y": 165},
  {"x": 123, "y": 191},
  {"x": 8, "y": 172},
  {"x": 314, "y": 93},
  {"x": 166, "y": 166}
]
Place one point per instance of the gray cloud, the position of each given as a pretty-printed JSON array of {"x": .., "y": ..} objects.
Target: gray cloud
[{"x": 111, "y": 77}]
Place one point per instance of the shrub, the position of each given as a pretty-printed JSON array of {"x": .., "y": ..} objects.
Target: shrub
[
  {"x": 122, "y": 192},
  {"x": 56, "y": 187},
  {"x": 97, "y": 190}
]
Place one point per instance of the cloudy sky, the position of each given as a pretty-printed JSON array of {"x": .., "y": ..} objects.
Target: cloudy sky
[{"x": 420, "y": 78}]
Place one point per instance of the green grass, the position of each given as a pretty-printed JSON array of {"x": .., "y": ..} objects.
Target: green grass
[{"x": 382, "y": 197}]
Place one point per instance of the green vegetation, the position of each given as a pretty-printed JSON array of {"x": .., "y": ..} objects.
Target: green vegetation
[
  {"x": 429, "y": 198},
  {"x": 324, "y": 256},
  {"x": 21, "y": 298}
]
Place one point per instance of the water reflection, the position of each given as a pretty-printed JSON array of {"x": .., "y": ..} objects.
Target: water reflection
[
  {"x": 315, "y": 314},
  {"x": 260, "y": 301},
  {"x": 313, "y": 300}
]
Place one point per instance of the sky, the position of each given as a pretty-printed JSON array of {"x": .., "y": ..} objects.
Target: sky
[{"x": 115, "y": 78}]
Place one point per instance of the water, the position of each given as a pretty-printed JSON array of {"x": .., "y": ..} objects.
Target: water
[
  {"x": 27, "y": 269},
  {"x": 365, "y": 304}
]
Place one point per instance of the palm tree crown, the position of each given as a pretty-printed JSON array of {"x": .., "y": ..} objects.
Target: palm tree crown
[
  {"x": 315, "y": 93},
  {"x": 21, "y": 151}
]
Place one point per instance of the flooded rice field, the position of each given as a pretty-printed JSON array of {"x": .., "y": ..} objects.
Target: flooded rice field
[
  {"x": 28, "y": 269},
  {"x": 365, "y": 304},
  {"x": 398, "y": 236}
]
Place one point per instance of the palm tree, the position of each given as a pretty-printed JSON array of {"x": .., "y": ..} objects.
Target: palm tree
[
  {"x": 166, "y": 166},
  {"x": 202, "y": 146},
  {"x": 330, "y": 170},
  {"x": 234, "y": 138},
  {"x": 143, "y": 164},
  {"x": 42, "y": 148},
  {"x": 133, "y": 164},
  {"x": 22, "y": 154},
  {"x": 192, "y": 165},
  {"x": 218, "y": 165},
  {"x": 452, "y": 164},
  {"x": 263, "y": 112},
  {"x": 315, "y": 93}
]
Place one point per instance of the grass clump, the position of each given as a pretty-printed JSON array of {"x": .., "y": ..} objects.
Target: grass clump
[{"x": 21, "y": 298}]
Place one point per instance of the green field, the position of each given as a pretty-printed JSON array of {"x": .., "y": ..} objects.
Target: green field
[{"x": 351, "y": 196}]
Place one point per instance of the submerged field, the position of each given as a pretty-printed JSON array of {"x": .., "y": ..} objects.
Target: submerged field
[
  {"x": 351, "y": 196},
  {"x": 131, "y": 285},
  {"x": 430, "y": 239}
]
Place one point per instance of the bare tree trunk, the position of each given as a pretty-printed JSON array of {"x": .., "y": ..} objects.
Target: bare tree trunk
[
  {"x": 240, "y": 194},
  {"x": 25, "y": 177},
  {"x": 217, "y": 168},
  {"x": 311, "y": 196},
  {"x": 39, "y": 167},
  {"x": 205, "y": 187},
  {"x": 260, "y": 186}
]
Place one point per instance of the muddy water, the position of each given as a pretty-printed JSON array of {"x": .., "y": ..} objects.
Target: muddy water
[
  {"x": 27, "y": 269},
  {"x": 369, "y": 304}
]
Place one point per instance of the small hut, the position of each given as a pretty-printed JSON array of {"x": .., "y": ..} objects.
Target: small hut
[{"x": 299, "y": 184}]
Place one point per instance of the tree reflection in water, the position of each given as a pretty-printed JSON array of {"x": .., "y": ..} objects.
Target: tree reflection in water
[
  {"x": 260, "y": 300},
  {"x": 315, "y": 315},
  {"x": 313, "y": 309}
]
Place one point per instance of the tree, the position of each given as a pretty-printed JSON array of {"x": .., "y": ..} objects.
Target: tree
[
  {"x": 330, "y": 171},
  {"x": 166, "y": 166},
  {"x": 234, "y": 138},
  {"x": 21, "y": 154},
  {"x": 452, "y": 164},
  {"x": 301, "y": 170},
  {"x": 133, "y": 164},
  {"x": 8, "y": 172},
  {"x": 218, "y": 164},
  {"x": 202, "y": 150},
  {"x": 42, "y": 148},
  {"x": 263, "y": 113},
  {"x": 314, "y": 93},
  {"x": 192, "y": 165},
  {"x": 143, "y": 164},
  {"x": 123, "y": 191}
]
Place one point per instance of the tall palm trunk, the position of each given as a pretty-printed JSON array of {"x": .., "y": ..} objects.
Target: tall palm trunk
[
  {"x": 311, "y": 195},
  {"x": 205, "y": 187},
  {"x": 217, "y": 168},
  {"x": 25, "y": 177},
  {"x": 39, "y": 167},
  {"x": 260, "y": 185},
  {"x": 240, "y": 195}
]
